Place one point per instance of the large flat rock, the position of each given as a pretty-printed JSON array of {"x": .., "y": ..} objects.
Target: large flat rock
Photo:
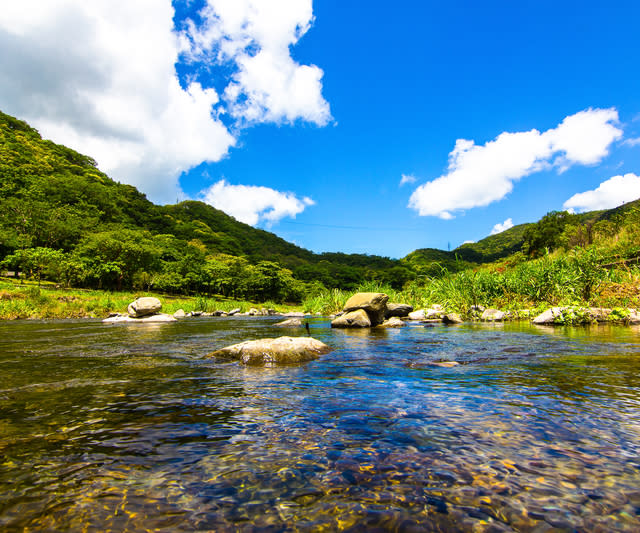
[{"x": 282, "y": 350}]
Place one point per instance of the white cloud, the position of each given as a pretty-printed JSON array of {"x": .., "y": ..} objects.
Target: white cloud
[
  {"x": 500, "y": 227},
  {"x": 256, "y": 36},
  {"x": 252, "y": 204},
  {"x": 469, "y": 242},
  {"x": 406, "y": 178},
  {"x": 481, "y": 174},
  {"x": 611, "y": 193},
  {"x": 100, "y": 77},
  {"x": 632, "y": 142}
]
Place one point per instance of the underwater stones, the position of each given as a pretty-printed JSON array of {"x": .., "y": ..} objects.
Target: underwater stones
[
  {"x": 282, "y": 350},
  {"x": 353, "y": 319},
  {"x": 398, "y": 310},
  {"x": 147, "y": 305},
  {"x": 290, "y": 323},
  {"x": 492, "y": 315},
  {"x": 373, "y": 303}
]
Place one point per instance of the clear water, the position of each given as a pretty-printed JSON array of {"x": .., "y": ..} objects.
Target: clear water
[{"x": 132, "y": 428}]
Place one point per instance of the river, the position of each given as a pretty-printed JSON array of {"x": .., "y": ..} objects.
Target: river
[{"x": 132, "y": 427}]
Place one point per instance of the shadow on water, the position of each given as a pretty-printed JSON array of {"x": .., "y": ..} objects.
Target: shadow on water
[{"x": 134, "y": 428}]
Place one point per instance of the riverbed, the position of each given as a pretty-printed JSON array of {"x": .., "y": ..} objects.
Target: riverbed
[{"x": 132, "y": 428}]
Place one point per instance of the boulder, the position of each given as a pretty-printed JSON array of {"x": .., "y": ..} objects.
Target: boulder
[
  {"x": 374, "y": 303},
  {"x": 353, "y": 319},
  {"x": 283, "y": 350},
  {"x": 420, "y": 314},
  {"x": 634, "y": 316},
  {"x": 452, "y": 318},
  {"x": 290, "y": 323},
  {"x": 234, "y": 311},
  {"x": 253, "y": 312},
  {"x": 144, "y": 306},
  {"x": 434, "y": 312},
  {"x": 142, "y": 320},
  {"x": 399, "y": 310},
  {"x": 492, "y": 315},
  {"x": 393, "y": 322},
  {"x": 179, "y": 314}
]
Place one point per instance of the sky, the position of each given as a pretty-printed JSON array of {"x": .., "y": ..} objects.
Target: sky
[{"x": 360, "y": 127}]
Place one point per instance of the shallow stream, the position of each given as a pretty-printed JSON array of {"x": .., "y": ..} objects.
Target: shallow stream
[{"x": 132, "y": 428}]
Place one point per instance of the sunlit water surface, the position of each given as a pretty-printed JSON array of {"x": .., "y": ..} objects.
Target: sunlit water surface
[{"x": 132, "y": 428}]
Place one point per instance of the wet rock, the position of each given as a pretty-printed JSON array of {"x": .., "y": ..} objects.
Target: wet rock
[
  {"x": 393, "y": 322},
  {"x": 147, "y": 305},
  {"x": 290, "y": 323},
  {"x": 283, "y": 350},
  {"x": 492, "y": 315},
  {"x": 145, "y": 319},
  {"x": 452, "y": 318},
  {"x": 634, "y": 316},
  {"x": 233, "y": 312},
  {"x": 253, "y": 312},
  {"x": 353, "y": 319},
  {"x": 373, "y": 303},
  {"x": 179, "y": 314},
  {"x": 399, "y": 310}
]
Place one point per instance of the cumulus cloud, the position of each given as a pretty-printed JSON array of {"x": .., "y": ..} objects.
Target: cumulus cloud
[
  {"x": 407, "y": 179},
  {"x": 252, "y": 204},
  {"x": 500, "y": 227},
  {"x": 481, "y": 174},
  {"x": 100, "y": 77},
  {"x": 610, "y": 193},
  {"x": 268, "y": 85}
]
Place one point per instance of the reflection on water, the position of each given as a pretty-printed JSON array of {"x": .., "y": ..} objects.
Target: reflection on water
[{"x": 133, "y": 428}]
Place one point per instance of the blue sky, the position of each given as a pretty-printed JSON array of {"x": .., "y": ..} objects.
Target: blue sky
[{"x": 303, "y": 118}]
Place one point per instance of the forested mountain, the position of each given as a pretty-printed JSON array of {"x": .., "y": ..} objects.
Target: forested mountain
[{"x": 63, "y": 219}]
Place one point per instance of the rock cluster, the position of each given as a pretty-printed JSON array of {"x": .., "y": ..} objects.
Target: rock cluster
[{"x": 369, "y": 309}]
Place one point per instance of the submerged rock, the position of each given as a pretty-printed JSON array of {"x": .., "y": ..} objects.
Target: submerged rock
[
  {"x": 283, "y": 350},
  {"x": 444, "y": 364},
  {"x": 147, "y": 305},
  {"x": 290, "y": 323},
  {"x": 353, "y": 319}
]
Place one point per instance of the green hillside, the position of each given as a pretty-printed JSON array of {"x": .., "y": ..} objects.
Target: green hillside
[{"x": 63, "y": 219}]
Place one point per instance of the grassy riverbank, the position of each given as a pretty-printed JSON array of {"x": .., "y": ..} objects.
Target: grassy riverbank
[
  {"x": 579, "y": 278},
  {"x": 27, "y": 299}
]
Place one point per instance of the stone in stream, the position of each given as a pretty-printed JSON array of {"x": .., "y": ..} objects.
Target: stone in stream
[
  {"x": 179, "y": 314},
  {"x": 452, "y": 318},
  {"x": 373, "y": 303},
  {"x": 353, "y": 319},
  {"x": 283, "y": 350},
  {"x": 160, "y": 317},
  {"x": 144, "y": 306},
  {"x": 290, "y": 323},
  {"x": 399, "y": 310},
  {"x": 393, "y": 322},
  {"x": 492, "y": 315}
]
